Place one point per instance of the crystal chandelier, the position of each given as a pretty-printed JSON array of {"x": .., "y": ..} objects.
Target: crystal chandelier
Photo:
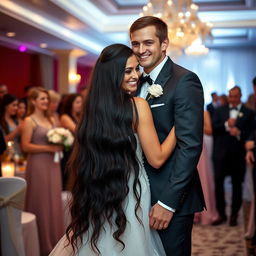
[{"x": 185, "y": 30}]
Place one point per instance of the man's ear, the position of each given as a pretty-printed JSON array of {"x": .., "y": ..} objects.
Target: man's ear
[{"x": 165, "y": 44}]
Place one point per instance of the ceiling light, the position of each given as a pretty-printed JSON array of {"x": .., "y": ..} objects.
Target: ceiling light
[
  {"x": 22, "y": 48},
  {"x": 184, "y": 26},
  {"x": 43, "y": 45},
  {"x": 10, "y": 34}
]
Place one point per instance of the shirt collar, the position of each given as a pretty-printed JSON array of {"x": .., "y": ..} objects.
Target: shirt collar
[
  {"x": 238, "y": 106},
  {"x": 155, "y": 72}
]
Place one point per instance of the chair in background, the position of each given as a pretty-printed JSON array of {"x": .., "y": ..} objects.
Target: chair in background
[
  {"x": 18, "y": 229},
  {"x": 12, "y": 195}
]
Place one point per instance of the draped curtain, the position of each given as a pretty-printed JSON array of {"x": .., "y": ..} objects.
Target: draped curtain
[{"x": 221, "y": 69}]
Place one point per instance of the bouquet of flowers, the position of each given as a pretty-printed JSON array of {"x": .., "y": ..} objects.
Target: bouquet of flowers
[{"x": 62, "y": 137}]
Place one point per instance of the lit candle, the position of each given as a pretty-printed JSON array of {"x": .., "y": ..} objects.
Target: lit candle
[{"x": 8, "y": 169}]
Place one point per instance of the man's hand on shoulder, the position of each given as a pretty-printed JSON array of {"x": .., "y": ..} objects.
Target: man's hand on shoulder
[{"x": 159, "y": 217}]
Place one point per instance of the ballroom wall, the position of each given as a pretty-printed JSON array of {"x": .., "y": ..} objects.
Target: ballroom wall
[
  {"x": 19, "y": 69},
  {"x": 221, "y": 69}
]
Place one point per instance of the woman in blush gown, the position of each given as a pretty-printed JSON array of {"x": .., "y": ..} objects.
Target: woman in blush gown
[
  {"x": 43, "y": 196},
  {"x": 111, "y": 194},
  {"x": 205, "y": 170}
]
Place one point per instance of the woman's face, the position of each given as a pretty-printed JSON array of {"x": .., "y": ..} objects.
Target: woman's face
[
  {"x": 21, "y": 110},
  {"x": 131, "y": 75},
  {"x": 11, "y": 109},
  {"x": 77, "y": 104},
  {"x": 42, "y": 101}
]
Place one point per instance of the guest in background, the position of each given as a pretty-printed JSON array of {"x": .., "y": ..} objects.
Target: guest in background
[
  {"x": 250, "y": 159},
  {"x": 43, "y": 197},
  {"x": 251, "y": 101},
  {"x": 21, "y": 112},
  {"x": 3, "y": 90},
  {"x": 213, "y": 105},
  {"x": 9, "y": 122},
  {"x": 232, "y": 126},
  {"x": 205, "y": 170},
  {"x": 223, "y": 99},
  {"x": 2, "y": 147},
  {"x": 70, "y": 115},
  {"x": 26, "y": 90},
  {"x": 54, "y": 104},
  {"x": 84, "y": 92}
]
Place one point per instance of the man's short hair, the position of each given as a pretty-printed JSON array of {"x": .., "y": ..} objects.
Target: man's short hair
[
  {"x": 145, "y": 21},
  {"x": 236, "y": 87}
]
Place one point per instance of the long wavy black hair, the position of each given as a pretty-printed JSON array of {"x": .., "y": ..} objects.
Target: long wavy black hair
[{"x": 104, "y": 155}]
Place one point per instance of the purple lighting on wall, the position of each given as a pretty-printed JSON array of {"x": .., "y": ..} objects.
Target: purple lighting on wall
[{"x": 22, "y": 48}]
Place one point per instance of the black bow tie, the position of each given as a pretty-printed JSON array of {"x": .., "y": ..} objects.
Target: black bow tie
[
  {"x": 147, "y": 79},
  {"x": 233, "y": 108}
]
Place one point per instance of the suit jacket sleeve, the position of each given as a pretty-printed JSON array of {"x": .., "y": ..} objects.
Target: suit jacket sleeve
[
  {"x": 246, "y": 127},
  {"x": 188, "y": 116}
]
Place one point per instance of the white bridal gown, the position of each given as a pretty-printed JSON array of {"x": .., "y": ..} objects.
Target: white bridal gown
[{"x": 138, "y": 238}]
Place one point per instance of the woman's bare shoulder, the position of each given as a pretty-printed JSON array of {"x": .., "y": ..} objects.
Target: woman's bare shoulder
[
  {"x": 29, "y": 122},
  {"x": 140, "y": 103}
]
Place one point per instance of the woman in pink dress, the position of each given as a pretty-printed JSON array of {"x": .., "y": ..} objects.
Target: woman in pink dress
[
  {"x": 205, "y": 170},
  {"x": 43, "y": 197}
]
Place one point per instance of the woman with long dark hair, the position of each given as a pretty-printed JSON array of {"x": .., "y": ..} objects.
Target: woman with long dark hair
[
  {"x": 111, "y": 195},
  {"x": 9, "y": 123}
]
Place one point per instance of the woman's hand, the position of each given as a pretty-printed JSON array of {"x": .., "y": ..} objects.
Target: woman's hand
[
  {"x": 249, "y": 157},
  {"x": 55, "y": 148}
]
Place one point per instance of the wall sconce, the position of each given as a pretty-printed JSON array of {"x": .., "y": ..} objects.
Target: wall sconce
[
  {"x": 8, "y": 169},
  {"x": 74, "y": 78}
]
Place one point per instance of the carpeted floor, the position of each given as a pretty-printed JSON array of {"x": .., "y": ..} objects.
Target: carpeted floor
[{"x": 219, "y": 240}]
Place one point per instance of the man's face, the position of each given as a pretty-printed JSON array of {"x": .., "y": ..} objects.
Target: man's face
[
  {"x": 147, "y": 47},
  {"x": 215, "y": 97},
  {"x": 234, "y": 97},
  {"x": 3, "y": 90}
]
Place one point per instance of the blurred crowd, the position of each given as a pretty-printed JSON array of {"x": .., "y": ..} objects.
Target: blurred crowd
[
  {"x": 229, "y": 150},
  {"x": 24, "y": 124}
]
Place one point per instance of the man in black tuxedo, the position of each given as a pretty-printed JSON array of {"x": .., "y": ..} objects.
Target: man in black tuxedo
[
  {"x": 232, "y": 125},
  {"x": 213, "y": 105},
  {"x": 176, "y": 191}
]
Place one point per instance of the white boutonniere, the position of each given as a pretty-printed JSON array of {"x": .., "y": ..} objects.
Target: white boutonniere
[
  {"x": 155, "y": 91},
  {"x": 240, "y": 114}
]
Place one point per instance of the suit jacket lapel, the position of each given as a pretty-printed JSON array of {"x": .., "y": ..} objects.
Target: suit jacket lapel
[
  {"x": 163, "y": 76},
  {"x": 165, "y": 73}
]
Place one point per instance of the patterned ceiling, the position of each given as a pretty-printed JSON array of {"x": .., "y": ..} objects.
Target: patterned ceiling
[{"x": 93, "y": 24}]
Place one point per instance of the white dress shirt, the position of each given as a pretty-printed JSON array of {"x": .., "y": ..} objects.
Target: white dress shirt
[
  {"x": 153, "y": 75},
  {"x": 233, "y": 113}
]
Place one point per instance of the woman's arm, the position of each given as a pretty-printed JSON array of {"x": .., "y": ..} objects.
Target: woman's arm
[
  {"x": 207, "y": 123},
  {"x": 155, "y": 152},
  {"x": 67, "y": 123},
  {"x": 26, "y": 135},
  {"x": 13, "y": 134}
]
